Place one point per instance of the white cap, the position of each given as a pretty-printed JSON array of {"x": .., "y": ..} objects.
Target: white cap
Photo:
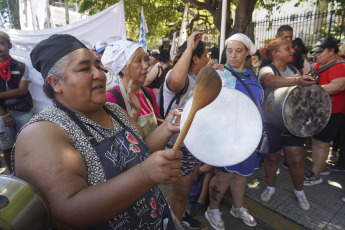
[
  {"x": 117, "y": 54},
  {"x": 100, "y": 46},
  {"x": 244, "y": 39}
]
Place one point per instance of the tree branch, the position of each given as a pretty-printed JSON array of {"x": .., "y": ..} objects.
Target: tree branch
[
  {"x": 243, "y": 16},
  {"x": 200, "y": 5}
]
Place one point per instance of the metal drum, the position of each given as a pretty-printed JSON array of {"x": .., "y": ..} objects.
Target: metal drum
[
  {"x": 225, "y": 132},
  {"x": 21, "y": 206},
  {"x": 301, "y": 111}
]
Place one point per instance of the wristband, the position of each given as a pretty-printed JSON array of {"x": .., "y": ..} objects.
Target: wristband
[
  {"x": 5, "y": 115},
  {"x": 296, "y": 80}
]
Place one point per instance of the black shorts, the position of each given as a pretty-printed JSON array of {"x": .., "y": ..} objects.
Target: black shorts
[
  {"x": 332, "y": 128},
  {"x": 189, "y": 161},
  {"x": 278, "y": 139}
]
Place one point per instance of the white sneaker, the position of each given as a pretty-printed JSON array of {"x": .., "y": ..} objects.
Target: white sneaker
[
  {"x": 244, "y": 215},
  {"x": 267, "y": 194},
  {"x": 213, "y": 217},
  {"x": 325, "y": 172},
  {"x": 302, "y": 201}
]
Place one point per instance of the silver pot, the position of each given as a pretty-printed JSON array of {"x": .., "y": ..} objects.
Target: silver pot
[
  {"x": 301, "y": 111},
  {"x": 21, "y": 206}
]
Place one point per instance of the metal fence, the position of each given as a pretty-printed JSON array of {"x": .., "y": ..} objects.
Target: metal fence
[{"x": 310, "y": 27}]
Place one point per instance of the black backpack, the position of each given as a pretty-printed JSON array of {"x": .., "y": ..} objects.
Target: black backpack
[
  {"x": 160, "y": 78},
  {"x": 316, "y": 73},
  {"x": 121, "y": 101},
  {"x": 175, "y": 99},
  {"x": 276, "y": 71}
]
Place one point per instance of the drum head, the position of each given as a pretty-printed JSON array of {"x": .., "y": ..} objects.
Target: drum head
[
  {"x": 225, "y": 132},
  {"x": 306, "y": 110}
]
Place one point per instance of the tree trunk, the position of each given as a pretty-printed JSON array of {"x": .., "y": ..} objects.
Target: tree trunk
[
  {"x": 244, "y": 12},
  {"x": 66, "y": 12},
  {"x": 217, "y": 16}
]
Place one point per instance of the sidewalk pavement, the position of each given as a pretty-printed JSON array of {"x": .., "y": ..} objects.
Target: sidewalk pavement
[{"x": 327, "y": 211}]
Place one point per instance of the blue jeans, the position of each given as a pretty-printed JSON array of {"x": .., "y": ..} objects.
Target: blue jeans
[{"x": 8, "y": 134}]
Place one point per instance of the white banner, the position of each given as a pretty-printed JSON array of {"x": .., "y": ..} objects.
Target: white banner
[
  {"x": 2, "y": 21},
  {"x": 183, "y": 30},
  {"x": 173, "y": 48},
  {"x": 108, "y": 25}
]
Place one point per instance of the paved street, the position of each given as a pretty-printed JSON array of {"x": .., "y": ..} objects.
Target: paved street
[{"x": 283, "y": 213}]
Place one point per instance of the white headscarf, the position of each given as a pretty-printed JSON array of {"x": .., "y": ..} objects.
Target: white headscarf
[
  {"x": 244, "y": 39},
  {"x": 117, "y": 54}
]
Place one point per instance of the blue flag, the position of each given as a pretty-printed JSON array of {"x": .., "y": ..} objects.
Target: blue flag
[{"x": 143, "y": 31}]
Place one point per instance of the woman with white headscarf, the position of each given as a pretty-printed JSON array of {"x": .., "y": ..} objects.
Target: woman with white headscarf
[
  {"x": 238, "y": 47},
  {"x": 128, "y": 59}
]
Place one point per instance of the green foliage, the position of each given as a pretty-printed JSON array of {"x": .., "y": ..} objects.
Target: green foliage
[
  {"x": 271, "y": 5},
  {"x": 267, "y": 40},
  {"x": 162, "y": 16},
  {"x": 309, "y": 47}
]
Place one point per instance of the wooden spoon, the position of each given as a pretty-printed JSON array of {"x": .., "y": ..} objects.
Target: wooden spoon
[{"x": 207, "y": 87}]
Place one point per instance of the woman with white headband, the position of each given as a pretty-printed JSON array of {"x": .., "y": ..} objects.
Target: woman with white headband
[
  {"x": 238, "y": 48},
  {"x": 128, "y": 59}
]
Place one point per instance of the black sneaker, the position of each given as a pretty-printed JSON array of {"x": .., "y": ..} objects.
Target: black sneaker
[
  {"x": 190, "y": 222},
  {"x": 197, "y": 209}
]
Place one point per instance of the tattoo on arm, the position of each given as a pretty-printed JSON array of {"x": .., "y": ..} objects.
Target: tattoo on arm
[{"x": 214, "y": 192}]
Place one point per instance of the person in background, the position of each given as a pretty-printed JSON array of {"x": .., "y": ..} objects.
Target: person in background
[
  {"x": 161, "y": 48},
  {"x": 156, "y": 76},
  {"x": 285, "y": 32},
  {"x": 98, "y": 51},
  {"x": 283, "y": 74},
  {"x": 200, "y": 202},
  {"x": 88, "y": 158},
  {"x": 342, "y": 50},
  {"x": 299, "y": 47},
  {"x": 127, "y": 59},
  {"x": 333, "y": 81},
  {"x": 256, "y": 61},
  {"x": 192, "y": 58},
  {"x": 337, "y": 159},
  {"x": 214, "y": 56},
  {"x": 154, "y": 58},
  {"x": 341, "y": 159},
  {"x": 15, "y": 98},
  {"x": 298, "y": 59},
  {"x": 238, "y": 48}
]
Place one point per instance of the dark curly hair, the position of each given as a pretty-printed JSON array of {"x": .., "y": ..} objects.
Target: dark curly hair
[
  {"x": 155, "y": 55},
  {"x": 214, "y": 52},
  {"x": 198, "y": 51},
  {"x": 164, "y": 56},
  {"x": 299, "y": 43}
]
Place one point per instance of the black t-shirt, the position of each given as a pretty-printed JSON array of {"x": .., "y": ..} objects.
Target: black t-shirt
[{"x": 297, "y": 61}]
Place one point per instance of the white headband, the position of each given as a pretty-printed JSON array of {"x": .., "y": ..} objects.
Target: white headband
[
  {"x": 244, "y": 39},
  {"x": 117, "y": 54}
]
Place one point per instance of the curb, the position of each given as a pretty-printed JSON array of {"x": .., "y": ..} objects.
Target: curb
[{"x": 265, "y": 216}]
